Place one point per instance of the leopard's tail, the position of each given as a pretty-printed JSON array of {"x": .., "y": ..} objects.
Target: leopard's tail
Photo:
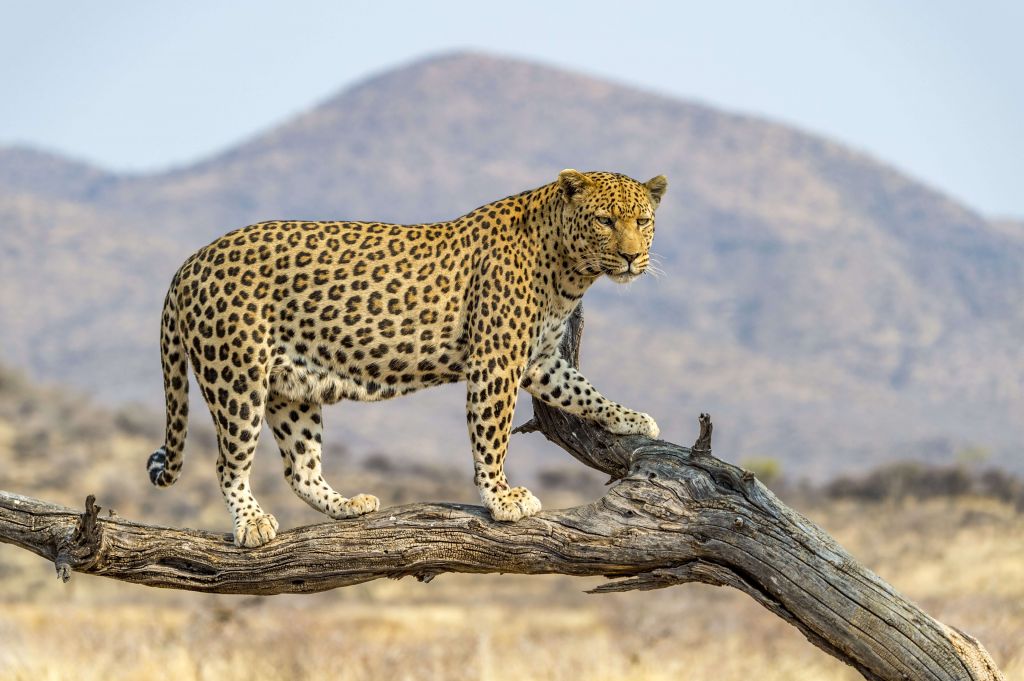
[{"x": 164, "y": 465}]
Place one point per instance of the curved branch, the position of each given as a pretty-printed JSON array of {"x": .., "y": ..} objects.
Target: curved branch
[{"x": 672, "y": 515}]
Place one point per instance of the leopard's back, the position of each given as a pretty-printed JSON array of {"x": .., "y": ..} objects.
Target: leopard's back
[{"x": 333, "y": 310}]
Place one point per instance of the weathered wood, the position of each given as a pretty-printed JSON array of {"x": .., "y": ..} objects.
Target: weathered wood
[{"x": 672, "y": 515}]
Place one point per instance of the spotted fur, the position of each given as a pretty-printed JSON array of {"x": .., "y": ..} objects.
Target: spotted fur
[{"x": 279, "y": 318}]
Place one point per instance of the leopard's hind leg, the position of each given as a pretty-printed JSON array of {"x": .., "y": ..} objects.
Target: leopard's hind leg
[
  {"x": 238, "y": 419},
  {"x": 298, "y": 429}
]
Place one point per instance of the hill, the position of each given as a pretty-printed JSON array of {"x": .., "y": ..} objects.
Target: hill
[{"x": 829, "y": 310}]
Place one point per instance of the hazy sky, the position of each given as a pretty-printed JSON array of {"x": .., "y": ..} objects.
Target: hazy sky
[{"x": 933, "y": 87}]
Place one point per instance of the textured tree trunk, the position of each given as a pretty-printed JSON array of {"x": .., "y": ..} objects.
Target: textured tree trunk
[{"x": 672, "y": 515}]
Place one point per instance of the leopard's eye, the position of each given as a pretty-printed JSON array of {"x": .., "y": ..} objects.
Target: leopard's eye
[
  {"x": 605, "y": 221},
  {"x": 643, "y": 221}
]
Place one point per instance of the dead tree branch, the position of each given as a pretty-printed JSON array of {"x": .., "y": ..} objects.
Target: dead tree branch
[{"x": 672, "y": 515}]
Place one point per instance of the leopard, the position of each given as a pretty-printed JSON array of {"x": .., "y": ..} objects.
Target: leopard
[{"x": 282, "y": 317}]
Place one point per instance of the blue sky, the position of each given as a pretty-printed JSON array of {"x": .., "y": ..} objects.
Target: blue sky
[{"x": 935, "y": 88}]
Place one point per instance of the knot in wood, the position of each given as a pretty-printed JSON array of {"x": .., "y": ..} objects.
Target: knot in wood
[
  {"x": 81, "y": 548},
  {"x": 702, "y": 446}
]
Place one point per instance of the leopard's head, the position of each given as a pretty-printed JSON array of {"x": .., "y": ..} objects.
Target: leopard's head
[{"x": 608, "y": 222}]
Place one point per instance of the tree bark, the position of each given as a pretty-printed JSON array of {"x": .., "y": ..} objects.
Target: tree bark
[{"x": 672, "y": 515}]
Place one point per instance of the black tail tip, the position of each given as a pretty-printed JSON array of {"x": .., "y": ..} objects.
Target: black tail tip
[{"x": 156, "y": 465}]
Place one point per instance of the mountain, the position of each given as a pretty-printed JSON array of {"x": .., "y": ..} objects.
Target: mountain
[
  {"x": 830, "y": 311},
  {"x": 45, "y": 175}
]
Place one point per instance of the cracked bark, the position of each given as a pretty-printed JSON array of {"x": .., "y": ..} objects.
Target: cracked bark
[{"x": 672, "y": 515}]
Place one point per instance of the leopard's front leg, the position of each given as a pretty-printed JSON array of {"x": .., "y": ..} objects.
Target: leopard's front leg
[
  {"x": 490, "y": 401},
  {"x": 555, "y": 382}
]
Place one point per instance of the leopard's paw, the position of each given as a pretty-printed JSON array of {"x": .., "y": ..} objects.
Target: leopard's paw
[
  {"x": 512, "y": 504},
  {"x": 255, "y": 530},
  {"x": 634, "y": 423},
  {"x": 360, "y": 504}
]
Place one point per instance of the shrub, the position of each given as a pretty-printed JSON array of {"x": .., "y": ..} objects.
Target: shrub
[
  {"x": 903, "y": 480},
  {"x": 767, "y": 469}
]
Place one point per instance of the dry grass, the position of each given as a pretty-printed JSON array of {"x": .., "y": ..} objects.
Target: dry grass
[{"x": 962, "y": 560}]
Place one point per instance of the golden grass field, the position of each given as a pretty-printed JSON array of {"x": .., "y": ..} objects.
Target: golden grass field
[{"x": 962, "y": 560}]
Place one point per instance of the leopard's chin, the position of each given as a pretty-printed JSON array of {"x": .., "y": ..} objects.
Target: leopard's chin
[{"x": 623, "y": 277}]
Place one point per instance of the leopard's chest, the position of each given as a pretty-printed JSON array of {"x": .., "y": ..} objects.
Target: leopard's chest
[{"x": 548, "y": 336}]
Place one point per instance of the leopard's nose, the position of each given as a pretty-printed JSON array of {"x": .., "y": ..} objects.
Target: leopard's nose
[{"x": 628, "y": 257}]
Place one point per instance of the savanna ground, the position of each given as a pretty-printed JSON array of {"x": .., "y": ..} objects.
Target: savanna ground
[{"x": 951, "y": 539}]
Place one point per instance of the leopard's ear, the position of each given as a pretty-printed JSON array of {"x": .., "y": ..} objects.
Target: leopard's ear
[
  {"x": 573, "y": 183},
  {"x": 656, "y": 187}
]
